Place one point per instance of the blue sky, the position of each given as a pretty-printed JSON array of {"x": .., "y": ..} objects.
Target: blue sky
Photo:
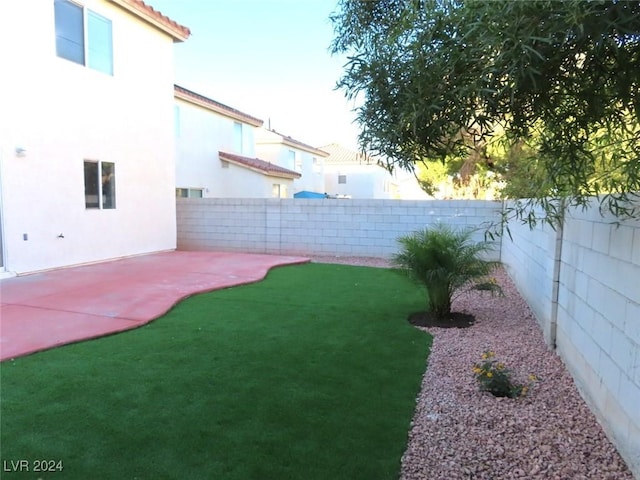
[{"x": 267, "y": 58}]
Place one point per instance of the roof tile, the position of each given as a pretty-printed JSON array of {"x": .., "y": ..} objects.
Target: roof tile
[
  {"x": 188, "y": 95},
  {"x": 261, "y": 166},
  {"x": 153, "y": 16}
]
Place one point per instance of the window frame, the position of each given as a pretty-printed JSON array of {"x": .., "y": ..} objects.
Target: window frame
[
  {"x": 189, "y": 192},
  {"x": 96, "y": 60},
  {"x": 238, "y": 137},
  {"x": 105, "y": 200},
  {"x": 279, "y": 190}
]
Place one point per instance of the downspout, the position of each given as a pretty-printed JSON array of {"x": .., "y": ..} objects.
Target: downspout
[{"x": 555, "y": 288}]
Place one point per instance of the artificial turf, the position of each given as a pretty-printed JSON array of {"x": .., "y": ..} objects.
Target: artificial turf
[{"x": 309, "y": 374}]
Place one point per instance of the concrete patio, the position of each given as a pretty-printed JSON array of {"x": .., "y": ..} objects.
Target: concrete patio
[{"x": 49, "y": 309}]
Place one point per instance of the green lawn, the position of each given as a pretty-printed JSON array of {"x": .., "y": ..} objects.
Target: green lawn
[{"x": 309, "y": 374}]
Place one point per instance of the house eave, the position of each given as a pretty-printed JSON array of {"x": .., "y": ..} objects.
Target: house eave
[
  {"x": 289, "y": 174},
  {"x": 183, "y": 94},
  {"x": 178, "y": 32}
]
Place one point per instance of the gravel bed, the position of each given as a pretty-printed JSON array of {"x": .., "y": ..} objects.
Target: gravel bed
[
  {"x": 362, "y": 261},
  {"x": 460, "y": 432}
]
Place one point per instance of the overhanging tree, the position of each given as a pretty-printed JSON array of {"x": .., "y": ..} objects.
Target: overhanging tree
[{"x": 561, "y": 79}]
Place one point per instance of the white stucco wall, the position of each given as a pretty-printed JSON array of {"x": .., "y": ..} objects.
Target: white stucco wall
[
  {"x": 312, "y": 179},
  {"x": 249, "y": 184},
  {"x": 200, "y": 135},
  {"x": 363, "y": 181},
  {"x": 269, "y": 147},
  {"x": 63, "y": 113}
]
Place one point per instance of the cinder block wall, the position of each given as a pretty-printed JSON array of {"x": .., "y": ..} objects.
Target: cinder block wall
[
  {"x": 598, "y": 331},
  {"x": 528, "y": 256},
  {"x": 320, "y": 227},
  {"x": 595, "y": 323}
]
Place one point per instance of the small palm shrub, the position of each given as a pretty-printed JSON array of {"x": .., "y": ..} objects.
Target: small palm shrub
[{"x": 447, "y": 262}]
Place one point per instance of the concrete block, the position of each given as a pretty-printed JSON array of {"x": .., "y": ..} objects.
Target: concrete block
[
  {"x": 624, "y": 277},
  {"x": 584, "y": 314},
  {"x": 628, "y": 394},
  {"x": 635, "y": 371},
  {"x": 567, "y": 299},
  {"x": 629, "y": 447},
  {"x": 609, "y": 372},
  {"x": 601, "y": 332},
  {"x": 635, "y": 250},
  {"x": 623, "y": 351},
  {"x": 621, "y": 242},
  {"x": 601, "y": 237},
  {"x": 632, "y": 322},
  {"x": 615, "y": 309},
  {"x": 584, "y": 343},
  {"x": 581, "y": 285},
  {"x": 585, "y": 233}
]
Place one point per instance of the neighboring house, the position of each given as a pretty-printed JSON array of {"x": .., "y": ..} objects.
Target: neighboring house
[
  {"x": 356, "y": 175},
  {"x": 86, "y": 132},
  {"x": 216, "y": 152},
  {"x": 293, "y": 155}
]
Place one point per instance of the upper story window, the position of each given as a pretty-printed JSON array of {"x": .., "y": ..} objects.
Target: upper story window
[
  {"x": 292, "y": 160},
  {"x": 237, "y": 137},
  {"x": 317, "y": 166},
  {"x": 83, "y": 36}
]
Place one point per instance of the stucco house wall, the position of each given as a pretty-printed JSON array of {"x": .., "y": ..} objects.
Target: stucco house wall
[
  {"x": 352, "y": 173},
  {"x": 309, "y": 161},
  {"x": 59, "y": 114},
  {"x": 361, "y": 181},
  {"x": 204, "y": 127}
]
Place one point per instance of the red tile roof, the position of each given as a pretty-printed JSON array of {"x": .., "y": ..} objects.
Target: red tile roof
[
  {"x": 197, "y": 99},
  {"x": 147, "y": 13},
  {"x": 260, "y": 166}
]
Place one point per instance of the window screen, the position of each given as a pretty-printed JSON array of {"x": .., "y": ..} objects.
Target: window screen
[{"x": 100, "y": 43}]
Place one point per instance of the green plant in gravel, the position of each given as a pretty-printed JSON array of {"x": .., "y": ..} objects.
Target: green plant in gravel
[
  {"x": 496, "y": 379},
  {"x": 447, "y": 262},
  {"x": 310, "y": 374}
]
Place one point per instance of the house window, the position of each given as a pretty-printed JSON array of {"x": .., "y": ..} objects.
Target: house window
[
  {"x": 189, "y": 192},
  {"x": 99, "y": 185},
  {"x": 279, "y": 190},
  {"x": 83, "y": 36},
  {"x": 317, "y": 166},
  {"x": 342, "y": 179},
  {"x": 237, "y": 137},
  {"x": 292, "y": 160}
]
